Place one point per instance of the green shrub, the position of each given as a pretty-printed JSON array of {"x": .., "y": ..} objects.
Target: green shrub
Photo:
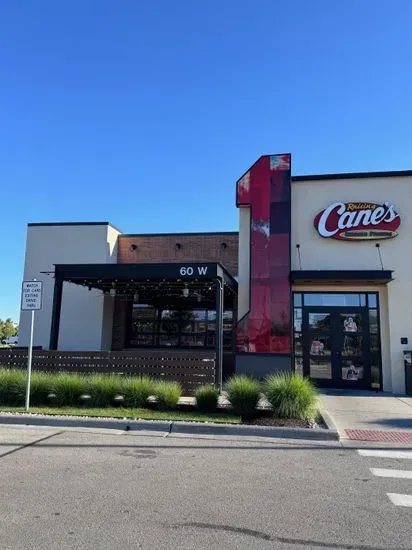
[
  {"x": 136, "y": 391},
  {"x": 291, "y": 396},
  {"x": 207, "y": 398},
  {"x": 167, "y": 394},
  {"x": 103, "y": 388},
  {"x": 40, "y": 388},
  {"x": 243, "y": 394},
  {"x": 68, "y": 388},
  {"x": 12, "y": 386}
]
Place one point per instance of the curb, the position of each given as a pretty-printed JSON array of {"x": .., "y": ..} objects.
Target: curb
[
  {"x": 70, "y": 422},
  {"x": 173, "y": 427},
  {"x": 330, "y": 423},
  {"x": 255, "y": 431}
]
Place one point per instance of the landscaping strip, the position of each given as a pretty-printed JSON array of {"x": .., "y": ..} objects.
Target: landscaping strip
[
  {"x": 127, "y": 413},
  {"x": 170, "y": 427}
]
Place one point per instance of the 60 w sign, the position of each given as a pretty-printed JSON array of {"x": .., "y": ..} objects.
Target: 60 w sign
[{"x": 196, "y": 271}]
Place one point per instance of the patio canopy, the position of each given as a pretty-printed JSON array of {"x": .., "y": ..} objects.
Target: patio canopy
[
  {"x": 162, "y": 284},
  {"x": 166, "y": 284},
  {"x": 99, "y": 275}
]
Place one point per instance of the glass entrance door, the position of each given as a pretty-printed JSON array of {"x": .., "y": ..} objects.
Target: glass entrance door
[{"x": 336, "y": 346}]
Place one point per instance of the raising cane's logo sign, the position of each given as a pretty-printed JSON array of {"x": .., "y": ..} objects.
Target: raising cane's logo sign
[{"x": 358, "y": 221}]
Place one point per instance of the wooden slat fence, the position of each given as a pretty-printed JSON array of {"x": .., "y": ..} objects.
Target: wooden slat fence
[{"x": 190, "y": 368}]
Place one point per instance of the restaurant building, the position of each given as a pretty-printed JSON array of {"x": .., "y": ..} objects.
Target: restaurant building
[{"x": 317, "y": 279}]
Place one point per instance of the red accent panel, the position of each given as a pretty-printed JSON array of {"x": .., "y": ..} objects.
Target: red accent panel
[
  {"x": 266, "y": 189},
  {"x": 279, "y": 249}
]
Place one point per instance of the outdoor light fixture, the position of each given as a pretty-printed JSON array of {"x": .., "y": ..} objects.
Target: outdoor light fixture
[
  {"x": 113, "y": 290},
  {"x": 186, "y": 292},
  {"x": 136, "y": 297}
]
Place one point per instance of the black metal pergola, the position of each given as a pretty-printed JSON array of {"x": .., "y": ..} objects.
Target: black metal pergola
[{"x": 208, "y": 284}]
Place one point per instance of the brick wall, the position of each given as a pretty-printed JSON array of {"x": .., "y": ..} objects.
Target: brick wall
[{"x": 207, "y": 247}]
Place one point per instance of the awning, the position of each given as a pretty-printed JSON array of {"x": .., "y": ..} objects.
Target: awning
[
  {"x": 341, "y": 276},
  {"x": 160, "y": 283},
  {"x": 102, "y": 275},
  {"x": 192, "y": 285}
]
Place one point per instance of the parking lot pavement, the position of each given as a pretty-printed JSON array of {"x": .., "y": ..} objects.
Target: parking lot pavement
[
  {"x": 395, "y": 466},
  {"x": 83, "y": 489},
  {"x": 14, "y": 439}
]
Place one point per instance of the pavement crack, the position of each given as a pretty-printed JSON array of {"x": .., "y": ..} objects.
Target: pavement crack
[
  {"x": 31, "y": 444},
  {"x": 216, "y": 527},
  {"x": 283, "y": 540}
]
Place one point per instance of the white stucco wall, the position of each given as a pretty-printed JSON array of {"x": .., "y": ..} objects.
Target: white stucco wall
[
  {"x": 311, "y": 197},
  {"x": 86, "y": 317}
]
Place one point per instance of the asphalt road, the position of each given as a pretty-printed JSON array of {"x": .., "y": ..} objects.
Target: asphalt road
[{"x": 108, "y": 490}]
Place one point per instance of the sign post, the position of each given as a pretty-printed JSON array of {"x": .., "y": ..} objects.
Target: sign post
[{"x": 31, "y": 300}]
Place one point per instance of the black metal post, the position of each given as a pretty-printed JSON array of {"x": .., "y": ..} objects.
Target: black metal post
[
  {"x": 55, "y": 319},
  {"x": 219, "y": 333}
]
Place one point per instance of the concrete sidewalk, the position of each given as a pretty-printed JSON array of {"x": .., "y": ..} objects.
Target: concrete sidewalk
[{"x": 367, "y": 415}]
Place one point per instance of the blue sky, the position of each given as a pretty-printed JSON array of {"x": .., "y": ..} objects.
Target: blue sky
[{"x": 144, "y": 113}]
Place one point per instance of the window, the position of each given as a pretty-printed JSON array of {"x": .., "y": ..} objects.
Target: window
[
  {"x": 142, "y": 329},
  {"x": 199, "y": 314},
  {"x": 153, "y": 327},
  {"x": 297, "y": 332},
  {"x": 374, "y": 335},
  {"x": 297, "y": 299},
  {"x": 372, "y": 300},
  {"x": 318, "y": 323},
  {"x": 343, "y": 300}
]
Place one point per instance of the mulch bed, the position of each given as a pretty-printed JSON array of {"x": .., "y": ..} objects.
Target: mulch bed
[{"x": 282, "y": 422}]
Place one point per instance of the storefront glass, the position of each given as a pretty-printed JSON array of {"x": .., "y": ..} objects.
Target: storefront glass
[
  {"x": 336, "y": 338},
  {"x": 152, "y": 327},
  {"x": 344, "y": 300}
]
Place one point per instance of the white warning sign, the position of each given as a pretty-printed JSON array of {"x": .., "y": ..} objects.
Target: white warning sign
[{"x": 31, "y": 295}]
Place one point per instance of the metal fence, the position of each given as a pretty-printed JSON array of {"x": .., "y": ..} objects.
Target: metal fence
[{"x": 190, "y": 368}]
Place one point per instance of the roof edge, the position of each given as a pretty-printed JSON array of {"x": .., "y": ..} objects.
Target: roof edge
[
  {"x": 183, "y": 234},
  {"x": 57, "y": 224},
  {"x": 353, "y": 175}
]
